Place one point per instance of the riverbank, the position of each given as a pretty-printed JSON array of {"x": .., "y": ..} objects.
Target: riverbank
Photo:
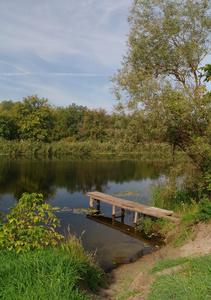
[
  {"x": 133, "y": 281},
  {"x": 65, "y": 149}
]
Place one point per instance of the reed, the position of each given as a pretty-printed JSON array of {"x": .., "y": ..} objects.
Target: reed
[{"x": 83, "y": 149}]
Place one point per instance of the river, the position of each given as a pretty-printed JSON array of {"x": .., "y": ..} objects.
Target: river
[{"x": 64, "y": 184}]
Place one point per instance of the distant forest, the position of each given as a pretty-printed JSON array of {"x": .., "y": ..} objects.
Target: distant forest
[{"x": 36, "y": 119}]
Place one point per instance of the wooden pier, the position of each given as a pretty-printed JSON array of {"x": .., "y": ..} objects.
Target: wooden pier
[{"x": 132, "y": 206}]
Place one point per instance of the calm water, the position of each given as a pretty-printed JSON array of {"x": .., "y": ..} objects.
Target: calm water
[{"x": 65, "y": 183}]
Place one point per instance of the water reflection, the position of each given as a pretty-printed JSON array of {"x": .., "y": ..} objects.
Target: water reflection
[
  {"x": 18, "y": 176},
  {"x": 125, "y": 228},
  {"x": 65, "y": 184}
]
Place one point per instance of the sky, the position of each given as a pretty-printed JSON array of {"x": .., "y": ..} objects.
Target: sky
[{"x": 64, "y": 50}]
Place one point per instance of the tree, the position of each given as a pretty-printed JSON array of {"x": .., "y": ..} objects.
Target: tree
[
  {"x": 207, "y": 72},
  {"x": 8, "y": 129},
  {"x": 34, "y": 118},
  {"x": 67, "y": 121},
  {"x": 161, "y": 75},
  {"x": 6, "y": 105},
  {"x": 94, "y": 125}
]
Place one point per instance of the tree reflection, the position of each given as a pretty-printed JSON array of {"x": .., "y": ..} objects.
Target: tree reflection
[{"x": 45, "y": 176}]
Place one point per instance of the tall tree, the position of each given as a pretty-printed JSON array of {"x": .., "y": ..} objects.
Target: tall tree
[
  {"x": 67, "y": 121},
  {"x": 207, "y": 72},
  {"x": 8, "y": 128},
  {"x": 161, "y": 75},
  {"x": 34, "y": 118},
  {"x": 94, "y": 125}
]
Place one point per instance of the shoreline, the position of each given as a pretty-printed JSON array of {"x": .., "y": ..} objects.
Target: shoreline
[{"x": 134, "y": 277}]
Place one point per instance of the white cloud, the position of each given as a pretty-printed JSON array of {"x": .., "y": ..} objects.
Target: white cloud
[
  {"x": 71, "y": 27},
  {"x": 61, "y": 49},
  {"x": 51, "y": 74}
]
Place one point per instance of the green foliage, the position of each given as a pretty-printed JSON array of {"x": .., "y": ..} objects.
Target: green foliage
[
  {"x": 146, "y": 225},
  {"x": 168, "y": 39},
  {"x": 208, "y": 180},
  {"x": 83, "y": 149},
  {"x": 94, "y": 125},
  {"x": 169, "y": 196},
  {"x": 128, "y": 294},
  {"x": 182, "y": 236},
  {"x": 34, "y": 118},
  {"x": 50, "y": 273},
  {"x": 204, "y": 210},
  {"x": 195, "y": 206},
  {"x": 73, "y": 248},
  {"x": 207, "y": 72},
  {"x": 7, "y": 123},
  {"x": 67, "y": 121},
  {"x": 168, "y": 263},
  {"x": 153, "y": 226},
  {"x": 191, "y": 282},
  {"x": 29, "y": 224}
]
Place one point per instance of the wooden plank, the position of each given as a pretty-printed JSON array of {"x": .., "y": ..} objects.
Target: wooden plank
[
  {"x": 118, "y": 212},
  {"x": 133, "y": 206},
  {"x": 161, "y": 210},
  {"x": 126, "y": 204}
]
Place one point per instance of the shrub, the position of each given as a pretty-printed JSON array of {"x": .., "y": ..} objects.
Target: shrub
[
  {"x": 204, "y": 211},
  {"x": 30, "y": 224},
  {"x": 153, "y": 226}
]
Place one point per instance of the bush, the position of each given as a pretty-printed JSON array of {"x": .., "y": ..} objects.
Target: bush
[
  {"x": 30, "y": 224},
  {"x": 30, "y": 270},
  {"x": 204, "y": 211},
  {"x": 153, "y": 226}
]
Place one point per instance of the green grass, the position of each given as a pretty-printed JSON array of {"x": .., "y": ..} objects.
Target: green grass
[
  {"x": 192, "y": 282},
  {"x": 128, "y": 294},
  {"x": 88, "y": 148},
  {"x": 48, "y": 273},
  {"x": 167, "y": 263}
]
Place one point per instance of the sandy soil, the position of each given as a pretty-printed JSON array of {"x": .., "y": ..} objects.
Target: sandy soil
[{"x": 134, "y": 278}]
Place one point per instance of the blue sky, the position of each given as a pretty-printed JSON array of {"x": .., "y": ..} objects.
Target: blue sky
[{"x": 62, "y": 50}]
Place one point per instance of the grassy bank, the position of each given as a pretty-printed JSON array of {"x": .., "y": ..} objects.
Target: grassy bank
[
  {"x": 38, "y": 263},
  {"x": 65, "y": 272},
  {"x": 83, "y": 149},
  {"x": 182, "y": 273},
  {"x": 192, "y": 281}
]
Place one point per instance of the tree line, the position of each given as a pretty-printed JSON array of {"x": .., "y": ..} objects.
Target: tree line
[
  {"x": 37, "y": 120},
  {"x": 161, "y": 89}
]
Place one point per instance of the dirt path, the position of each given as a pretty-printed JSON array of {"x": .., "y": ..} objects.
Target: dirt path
[{"x": 132, "y": 281}]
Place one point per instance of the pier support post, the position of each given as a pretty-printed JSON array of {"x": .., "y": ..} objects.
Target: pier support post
[
  {"x": 91, "y": 201},
  {"x": 91, "y": 205},
  {"x": 113, "y": 210},
  {"x": 98, "y": 206},
  {"x": 136, "y": 217},
  {"x": 122, "y": 215}
]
